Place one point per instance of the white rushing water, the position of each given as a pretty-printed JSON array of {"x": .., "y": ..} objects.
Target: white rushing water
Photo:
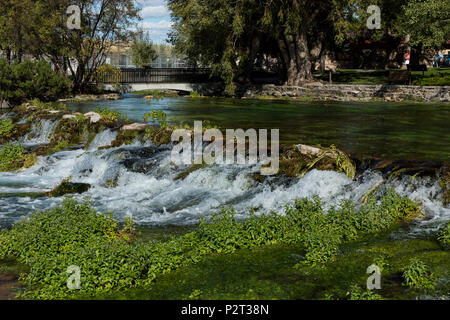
[
  {"x": 103, "y": 139},
  {"x": 41, "y": 132},
  {"x": 140, "y": 181}
]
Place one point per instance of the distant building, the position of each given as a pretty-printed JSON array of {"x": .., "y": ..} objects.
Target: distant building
[{"x": 119, "y": 55}]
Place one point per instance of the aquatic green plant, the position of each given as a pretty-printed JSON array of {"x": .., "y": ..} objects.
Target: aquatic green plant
[
  {"x": 110, "y": 117},
  {"x": 158, "y": 116},
  {"x": 444, "y": 235},
  {"x": 67, "y": 187},
  {"x": 69, "y": 132},
  {"x": 110, "y": 257},
  {"x": 125, "y": 137},
  {"x": 72, "y": 234},
  {"x": 296, "y": 164},
  {"x": 159, "y": 136},
  {"x": 48, "y": 105},
  {"x": 195, "y": 94},
  {"x": 155, "y": 94},
  {"x": 357, "y": 293},
  {"x": 13, "y": 157},
  {"x": 417, "y": 275},
  {"x": 7, "y": 128}
]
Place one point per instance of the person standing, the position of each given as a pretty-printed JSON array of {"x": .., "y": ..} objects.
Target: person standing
[
  {"x": 407, "y": 57},
  {"x": 441, "y": 58},
  {"x": 436, "y": 60}
]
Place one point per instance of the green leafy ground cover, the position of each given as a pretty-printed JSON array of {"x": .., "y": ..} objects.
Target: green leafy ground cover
[{"x": 296, "y": 255}]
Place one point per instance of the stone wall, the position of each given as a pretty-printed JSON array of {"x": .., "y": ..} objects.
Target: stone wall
[{"x": 356, "y": 93}]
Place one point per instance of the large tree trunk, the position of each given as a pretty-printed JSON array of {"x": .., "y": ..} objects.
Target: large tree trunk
[
  {"x": 295, "y": 52},
  {"x": 8, "y": 54}
]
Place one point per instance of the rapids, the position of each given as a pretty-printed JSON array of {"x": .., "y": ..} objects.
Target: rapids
[{"x": 139, "y": 180}]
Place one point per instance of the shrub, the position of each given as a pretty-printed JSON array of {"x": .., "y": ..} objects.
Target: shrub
[
  {"x": 108, "y": 71},
  {"x": 30, "y": 79},
  {"x": 12, "y": 158},
  {"x": 417, "y": 275}
]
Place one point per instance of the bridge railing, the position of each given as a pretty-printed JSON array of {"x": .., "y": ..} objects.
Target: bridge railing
[{"x": 157, "y": 75}]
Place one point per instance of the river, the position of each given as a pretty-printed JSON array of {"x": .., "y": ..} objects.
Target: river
[{"x": 139, "y": 180}]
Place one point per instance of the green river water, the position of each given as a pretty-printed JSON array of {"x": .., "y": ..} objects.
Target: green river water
[{"x": 388, "y": 130}]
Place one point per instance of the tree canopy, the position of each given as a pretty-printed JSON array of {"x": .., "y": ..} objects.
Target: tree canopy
[
  {"x": 39, "y": 28},
  {"x": 228, "y": 35},
  {"x": 142, "y": 50}
]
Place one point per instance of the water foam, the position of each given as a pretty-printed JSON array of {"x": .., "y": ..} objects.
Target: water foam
[{"x": 139, "y": 180}]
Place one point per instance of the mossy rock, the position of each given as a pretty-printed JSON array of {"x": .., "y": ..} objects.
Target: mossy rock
[
  {"x": 125, "y": 137},
  {"x": 296, "y": 161},
  {"x": 159, "y": 136},
  {"x": 73, "y": 131},
  {"x": 68, "y": 188}
]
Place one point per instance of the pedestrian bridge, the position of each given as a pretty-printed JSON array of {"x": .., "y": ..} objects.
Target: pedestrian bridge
[
  {"x": 133, "y": 87},
  {"x": 137, "y": 79},
  {"x": 179, "y": 79}
]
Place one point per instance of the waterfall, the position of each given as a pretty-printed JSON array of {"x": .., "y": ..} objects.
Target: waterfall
[
  {"x": 41, "y": 132},
  {"x": 103, "y": 139}
]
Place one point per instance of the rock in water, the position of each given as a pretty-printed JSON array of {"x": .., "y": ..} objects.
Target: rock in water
[
  {"x": 94, "y": 117},
  {"x": 68, "y": 188},
  {"x": 298, "y": 160},
  {"x": 134, "y": 127}
]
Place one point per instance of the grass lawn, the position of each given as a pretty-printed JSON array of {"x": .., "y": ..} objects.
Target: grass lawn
[{"x": 432, "y": 77}]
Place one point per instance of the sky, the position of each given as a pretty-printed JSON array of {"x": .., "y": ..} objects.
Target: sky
[{"x": 156, "y": 19}]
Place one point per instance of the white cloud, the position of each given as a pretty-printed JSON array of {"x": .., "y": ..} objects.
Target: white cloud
[
  {"x": 151, "y": 3},
  {"x": 154, "y": 12},
  {"x": 151, "y": 25},
  {"x": 158, "y": 30}
]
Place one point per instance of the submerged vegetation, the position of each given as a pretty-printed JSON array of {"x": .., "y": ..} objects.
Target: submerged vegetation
[
  {"x": 111, "y": 257},
  {"x": 13, "y": 157},
  {"x": 417, "y": 275},
  {"x": 7, "y": 128}
]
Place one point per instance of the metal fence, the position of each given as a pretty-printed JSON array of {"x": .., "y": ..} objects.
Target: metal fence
[{"x": 158, "y": 75}]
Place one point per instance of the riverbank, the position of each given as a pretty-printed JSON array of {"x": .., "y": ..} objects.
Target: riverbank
[
  {"x": 319, "y": 91},
  {"x": 92, "y": 97},
  {"x": 350, "y": 93}
]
